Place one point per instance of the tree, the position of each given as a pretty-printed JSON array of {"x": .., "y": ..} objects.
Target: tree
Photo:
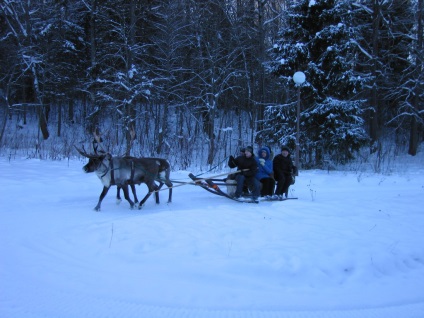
[
  {"x": 31, "y": 71},
  {"x": 410, "y": 112},
  {"x": 120, "y": 79},
  {"x": 316, "y": 39},
  {"x": 383, "y": 36},
  {"x": 215, "y": 65},
  {"x": 171, "y": 43},
  {"x": 417, "y": 98},
  {"x": 124, "y": 66}
]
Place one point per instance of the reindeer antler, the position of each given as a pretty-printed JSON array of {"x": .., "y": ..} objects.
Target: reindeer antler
[
  {"x": 84, "y": 153},
  {"x": 97, "y": 141},
  {"x": 97, "y": 136},
  {"x": 132, "y": 133}
]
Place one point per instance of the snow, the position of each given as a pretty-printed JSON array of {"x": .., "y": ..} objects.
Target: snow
[{"x": 351, "y": 245}]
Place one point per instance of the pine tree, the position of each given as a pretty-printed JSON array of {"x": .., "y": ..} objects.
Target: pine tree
[
  {"x": 384, "y": 33},
  {"x": 316, "y": 39}
]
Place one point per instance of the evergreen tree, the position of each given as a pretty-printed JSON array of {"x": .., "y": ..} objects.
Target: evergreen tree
[
  {"x": 384, "y": 33},
  {"x": 413, "y": 105},
  {"x": 316, "y": 39}
]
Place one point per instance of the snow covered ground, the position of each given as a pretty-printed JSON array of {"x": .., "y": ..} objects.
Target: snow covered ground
[{"x": 352, "y": 245}]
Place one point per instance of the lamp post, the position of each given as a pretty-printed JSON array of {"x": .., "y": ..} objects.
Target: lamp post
[{"x": 299, "y": 78}]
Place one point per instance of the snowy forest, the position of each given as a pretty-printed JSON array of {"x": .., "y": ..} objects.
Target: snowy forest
[{"x": 193, "y": 81}]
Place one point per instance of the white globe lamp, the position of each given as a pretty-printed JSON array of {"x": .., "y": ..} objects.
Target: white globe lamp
[{"x": 299, "y": 78}]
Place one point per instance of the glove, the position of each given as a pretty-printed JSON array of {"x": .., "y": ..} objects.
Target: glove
[
  {"x": 262, "y": 162},
  {"x": 232, "y": 162}
]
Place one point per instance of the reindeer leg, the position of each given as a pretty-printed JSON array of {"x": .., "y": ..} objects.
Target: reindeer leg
[
  {"x": 152, "y": 187},
  {"x": 157, "y": 192},
  {"x": 118, "y": 195},
  {"x": 169, "y": 185},
  {"x": 144, "y": 200},
  {"x": 127, "y": 196},
  {"x": 134, "y": 194},
  {"x": 102, "y": 195}
]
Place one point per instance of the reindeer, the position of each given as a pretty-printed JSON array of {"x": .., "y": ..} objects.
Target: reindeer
[
  {"x": 162, "y": 178},
  {"x": 122, "y": 172}
]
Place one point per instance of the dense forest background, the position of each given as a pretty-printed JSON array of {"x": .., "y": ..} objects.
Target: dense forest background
[{"x": 194, "y": 80}]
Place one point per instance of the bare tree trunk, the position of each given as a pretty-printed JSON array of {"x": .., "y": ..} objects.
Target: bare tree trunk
[
  {"x": 209, "y": 127},
  {"x": 413, "y": 137},
  {"x": 33, "y": 78},
  {"x": 240, "y": 131},
  {"x": 71, "y": 111},
  {"x": 42, "y": 121},
  {"x": 4, "y": 119},
  {"x": 261, "y": 72},
  {"x": 93, "y": 120},
  {"x": 130, "y": 132},
  {"x": 374, "y": 123},
  {"x": 7, "y": 112},
  {"x": 163, "y": 126},
  {"x": 59, "y": 119}
]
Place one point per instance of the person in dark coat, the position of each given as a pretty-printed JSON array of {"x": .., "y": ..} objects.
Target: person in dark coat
[
  {"x": 265, "y": 172},
  {"x": 246, "y": 161},
  {"x": 283, "y": 169}
]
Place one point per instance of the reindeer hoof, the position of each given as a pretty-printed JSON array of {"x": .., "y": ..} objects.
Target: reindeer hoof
[{"x": 118, "y": 201}]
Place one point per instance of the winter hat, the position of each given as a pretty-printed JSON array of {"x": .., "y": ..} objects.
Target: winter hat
[
  {"x": 249, "y": 149},
  {"x": 266, "y": 149},
  {"x": 285, "y": 148}
]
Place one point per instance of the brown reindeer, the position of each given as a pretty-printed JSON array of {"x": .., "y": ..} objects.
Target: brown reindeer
[
  {"x": 122, "y": 172},
  {"x": 162, "y": 178}
]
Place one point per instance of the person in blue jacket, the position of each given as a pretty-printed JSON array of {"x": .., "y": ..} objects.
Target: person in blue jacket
[{"x": 265, "y": 173}]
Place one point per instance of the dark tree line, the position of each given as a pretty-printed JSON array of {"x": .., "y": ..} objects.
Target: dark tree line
[{"x": 155, "y": 77}]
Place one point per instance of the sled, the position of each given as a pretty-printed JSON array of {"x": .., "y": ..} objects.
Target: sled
[{"x": 212, "y": 186}]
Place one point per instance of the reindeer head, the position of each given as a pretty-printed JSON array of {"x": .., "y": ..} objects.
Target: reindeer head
[{"x": 95, "y": 161}]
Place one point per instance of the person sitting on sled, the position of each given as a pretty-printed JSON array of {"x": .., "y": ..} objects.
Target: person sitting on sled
[
  {"x": 245, "y": 162},
  {"x": 283, "y": 169},
  {"x": 265, "y": 172}
]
